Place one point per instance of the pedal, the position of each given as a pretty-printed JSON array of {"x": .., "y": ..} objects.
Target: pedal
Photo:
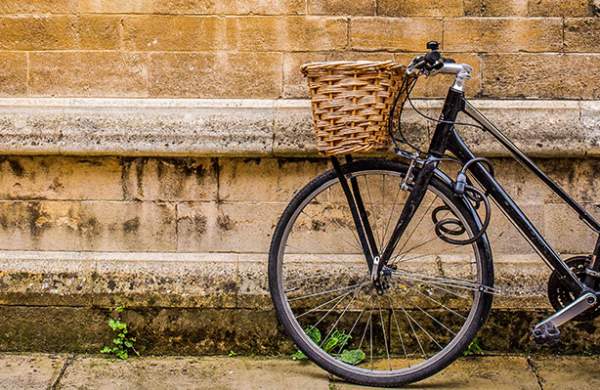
[{"x": 546, "y": 334}]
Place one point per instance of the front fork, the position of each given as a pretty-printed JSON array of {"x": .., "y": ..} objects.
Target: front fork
[
  {"x": 417, "y": 185},
  {"x": 376, "y": 259}
]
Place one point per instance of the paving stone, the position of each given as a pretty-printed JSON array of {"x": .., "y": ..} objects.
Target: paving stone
[
  {"x": 29, "y": 371},
  {"x": 568, "y": 373},
  {"x": 191, "y": 373},
  {"x": 487, "y": 373}
]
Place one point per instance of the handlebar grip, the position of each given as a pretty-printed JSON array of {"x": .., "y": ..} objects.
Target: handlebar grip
[{"x": 432, "y": 57}]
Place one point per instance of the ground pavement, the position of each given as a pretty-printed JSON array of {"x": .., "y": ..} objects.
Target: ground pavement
[{"x": 44, "y": 371}]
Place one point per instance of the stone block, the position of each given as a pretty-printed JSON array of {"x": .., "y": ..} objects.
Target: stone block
[
  {"x": 45, "y": 281},
  {"x": 27, "y": 32},
  {"x": 90, "y": 225},
  {"x": 268, "y": 7},
  {"x": 293, "y": 33},
  {"x": 197, "y": 7},
  {"x": 174, "y": 33},
  {"x": 170, "y": 179},
  {"x": 540, "y": 75},
  {"x": 205, "y": 282},
  {"x": 99, "y": 32},
  {"x": 435, "y": 8},
  {"x": 582, "y": 35},
  {"x": 218, "y": 75},
  {"x": 208, "y": 227},
  {"x": 13, "y": 74},
  {"x": 106, "y": 74},
  {"x": 271, "y": 180},
  {"x": 30, "y": 371},
  {"x": 502, "y": 35},
  {"x": 566, "y": 232},
  {"x": 60, "y": 178},
  {"x": 548, "y": 8},
  {"x": 559, "y": 372},
  {"x": 198, "y": 373},
  {"x": 401, "y": 34},
  {"x": 38, "y": 7},
  {"x": 341, "y": 7},
  {"x": 496, "y": 7}
]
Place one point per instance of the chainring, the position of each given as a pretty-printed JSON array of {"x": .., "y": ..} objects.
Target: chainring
[{"x": 560, "y": 296}]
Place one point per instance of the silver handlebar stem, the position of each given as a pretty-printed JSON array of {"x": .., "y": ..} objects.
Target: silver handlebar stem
[{"x": 462, "y": 71}]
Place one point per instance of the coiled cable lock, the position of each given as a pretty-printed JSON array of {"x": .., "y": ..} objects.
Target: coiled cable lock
[{"x": 452, "y": 226}]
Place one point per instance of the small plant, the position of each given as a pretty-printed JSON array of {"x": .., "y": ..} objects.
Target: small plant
[
  {"x": 123, "y": 343},
  {"x": 336, "y": 339},
  {"x": 474, "y": 348},
  {"x": 232, "y": 354}
]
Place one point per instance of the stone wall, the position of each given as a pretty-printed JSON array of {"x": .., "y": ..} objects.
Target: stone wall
[
  {"x": 252, "y": 49},
  {"x": 150, "y": 146}
]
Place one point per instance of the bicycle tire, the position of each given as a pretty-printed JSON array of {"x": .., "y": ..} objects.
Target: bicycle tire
[{"x": 477, "y": 314}]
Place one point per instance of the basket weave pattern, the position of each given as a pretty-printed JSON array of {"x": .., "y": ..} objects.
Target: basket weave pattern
[{"x": 351, "y": 102}]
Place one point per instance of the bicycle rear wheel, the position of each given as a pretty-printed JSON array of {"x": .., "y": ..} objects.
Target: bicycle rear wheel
[{"x": 319, "y": 280}]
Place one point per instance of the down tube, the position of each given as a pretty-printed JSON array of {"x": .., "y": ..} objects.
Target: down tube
[{"x": 457, "y": 146}]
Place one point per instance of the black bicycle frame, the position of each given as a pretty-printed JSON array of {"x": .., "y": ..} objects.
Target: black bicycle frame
[{"x": 446, "y": 138}]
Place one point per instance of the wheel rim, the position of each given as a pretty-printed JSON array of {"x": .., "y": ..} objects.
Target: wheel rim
[{"x": 395, "y": 338}]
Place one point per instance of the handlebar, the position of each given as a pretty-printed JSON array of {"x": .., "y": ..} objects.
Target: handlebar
[{"x": 433, "y": 62}]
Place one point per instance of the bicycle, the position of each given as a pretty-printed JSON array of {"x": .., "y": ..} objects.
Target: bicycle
[{"x": 376, "y": 303}]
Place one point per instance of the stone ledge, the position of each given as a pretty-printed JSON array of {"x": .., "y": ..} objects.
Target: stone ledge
[
  {"x": 246, "y": 127},
  {"x": 196, "y": 280}
]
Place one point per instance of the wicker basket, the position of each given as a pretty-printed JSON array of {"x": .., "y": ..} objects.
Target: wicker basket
[{"x": 351, "y": 102}]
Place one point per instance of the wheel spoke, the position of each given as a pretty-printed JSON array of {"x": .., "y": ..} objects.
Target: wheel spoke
[{"x": 328, "y": 294}]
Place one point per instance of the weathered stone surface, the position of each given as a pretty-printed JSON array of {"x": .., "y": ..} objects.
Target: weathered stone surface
[
  {"x": 99, "y": 32},
  {"x": 108, "y": 73},
  {"x": 511, "y": 75},
  {"x": 51, "y": 329},
  {"x": 207, "y": 227},
  {"x": 192, "y": 373},
  {"x": 582, "y": 34},
  {"x": 219, "y": 75},
  {"x": 496, "y": 8},
  {"x": 174, "y": 33},
  {"x": 489, "y": 373},
  {"x": 271, "y": 180},
  {"x": 438, "y": 8},
  {"x": 559, "y": 8},
  {"x": 567, "y": 373},
  {"x": 502, "y": 35},
  {"x": 566, "y": 231},
  {"x": 194, "y": 7},
  {"x": 59, "y": 178},
  {"x": 31, "y": 371},
  {"x": 91, "y": 225},
  {"x": 294, "y": 33},
  {"x": 42, "y": 6},
  {"x": 37, "y": 33},
  {"x": 401, "y": 34},
  {"x": 147, "y": 6},
  {"x": 13, "y": 75},
  {"x": 341, "y": 7},
  {"x": 169, "y": 179},
  {"x": 261, "y": 127}
]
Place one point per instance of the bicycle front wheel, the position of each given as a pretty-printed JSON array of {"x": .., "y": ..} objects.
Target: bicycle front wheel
[{"x": 431, "y": 306}]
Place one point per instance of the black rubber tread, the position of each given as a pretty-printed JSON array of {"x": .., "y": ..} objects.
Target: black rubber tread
[{"x": 347, "y": 373}]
